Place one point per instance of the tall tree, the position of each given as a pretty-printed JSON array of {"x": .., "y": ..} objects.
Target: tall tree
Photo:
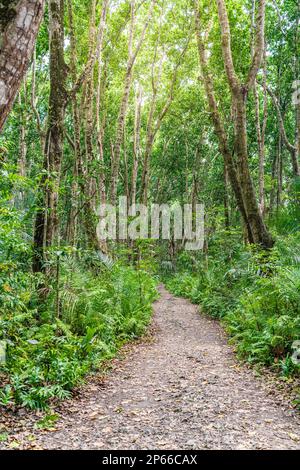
[
  {"x": 132, "y": 56},
  {"x": 239, "y": 171},
  {"x": 47, "y": 222}
]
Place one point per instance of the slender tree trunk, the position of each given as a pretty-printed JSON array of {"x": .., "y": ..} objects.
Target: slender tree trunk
[
  {"x": 99, "y": 106},
  {"x": 297, "y": 78},
  {"x": 47, "y": 221},
  {"x": 239, "y": 94},
  {"x": 136, "y": 144},
  {"x": 219, "y": 127},
  {"x": 226, "y": 199},
  {"x": 290, "y": 147},
  {"x": 279, "y": 174},
  {"x": 150, "y": 124},
  {"x": 22, "y": 160},
  {"x": 57, "y": 105},
  {"x": 125, "y": 98},
  {"x": 294, "y": 149},
  {"x": 298, "y": 136},
  {"x": 33, "y": 103},
  {"x": 274, "y": 178},
  {"x": 154, "y": 127},
  {"x": 23, "y": 135},
  {"x": 261, "y": 131},
  {"x": 90, "y": 117},
  {"x": 19, "y": 26},
  {"x": 73, "y": 215},
  {"x": 259, "y": 231},
  {"x": 87, "y": 174}
]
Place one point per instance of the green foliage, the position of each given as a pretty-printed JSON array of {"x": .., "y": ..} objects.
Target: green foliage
[
  {"x": 3, "y": 436},
  {"x": 287, "y": 219},
  {"x": 97, "y": 314},
  {"x": 256, "y": 295},
  {"x": 48, "y": 421}
]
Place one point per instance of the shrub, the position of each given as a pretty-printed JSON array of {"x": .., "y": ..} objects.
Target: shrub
[
  {"x": 98, "y": 313},
  {"x": 257, "y": 296}
]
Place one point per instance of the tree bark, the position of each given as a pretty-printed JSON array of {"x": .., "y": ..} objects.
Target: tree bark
[
  {"x": 99, "y": 105},
  {"x": 260, "y": 127},
  {"x": 72, "y": 225},
  {"x": 136, "y": 144},
  {"x": 261, "y": 131},
  {"x": 226, "y": 199},
  {"x": 19, "y": 26}
]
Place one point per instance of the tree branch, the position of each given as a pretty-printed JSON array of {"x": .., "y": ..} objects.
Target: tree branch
[
  {"x": 259, "y": 46},
  {"x": 226, "y": 47}
]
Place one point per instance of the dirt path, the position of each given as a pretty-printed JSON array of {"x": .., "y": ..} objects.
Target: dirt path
[{"x": 183, "y": 390}]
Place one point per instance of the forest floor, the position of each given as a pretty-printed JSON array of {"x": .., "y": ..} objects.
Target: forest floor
[{"x": 180, "y": 388}]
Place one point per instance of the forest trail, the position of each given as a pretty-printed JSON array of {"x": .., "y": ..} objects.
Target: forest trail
[{"x": 182, "y": 390}]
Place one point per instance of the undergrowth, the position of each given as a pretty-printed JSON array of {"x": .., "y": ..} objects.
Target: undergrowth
[
  {"x": 47, "y": 355},
  {"x": 256, "y": 296}
]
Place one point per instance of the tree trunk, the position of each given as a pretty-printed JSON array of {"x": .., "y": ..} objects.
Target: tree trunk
[
  {"x": 274, "y": 178},
  {"x": 100, "y": 98},
  {"x": 239, "y": 174},
  {"x": 279, "y": 174},
  {"x": 297, "y": 78},
  {"x": 90, "y": 192},
  {"x": 219, "y": 127},
  {"x": 47, "y": 222},
  {"x": 261, "y": 132},
  {"x": 19, "y": 26},
  {"x": 125, "y": 98},
  {"x": 226, "y": 199},
  {"x": 259, "y": 231},
  {"x": 24, "y": 119},
  {"x": 154, "y": 127},
  {"x": 136, "y": 144},
  {"x": 73, "y": 214},
  {"x": 22, "y": 160}
]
